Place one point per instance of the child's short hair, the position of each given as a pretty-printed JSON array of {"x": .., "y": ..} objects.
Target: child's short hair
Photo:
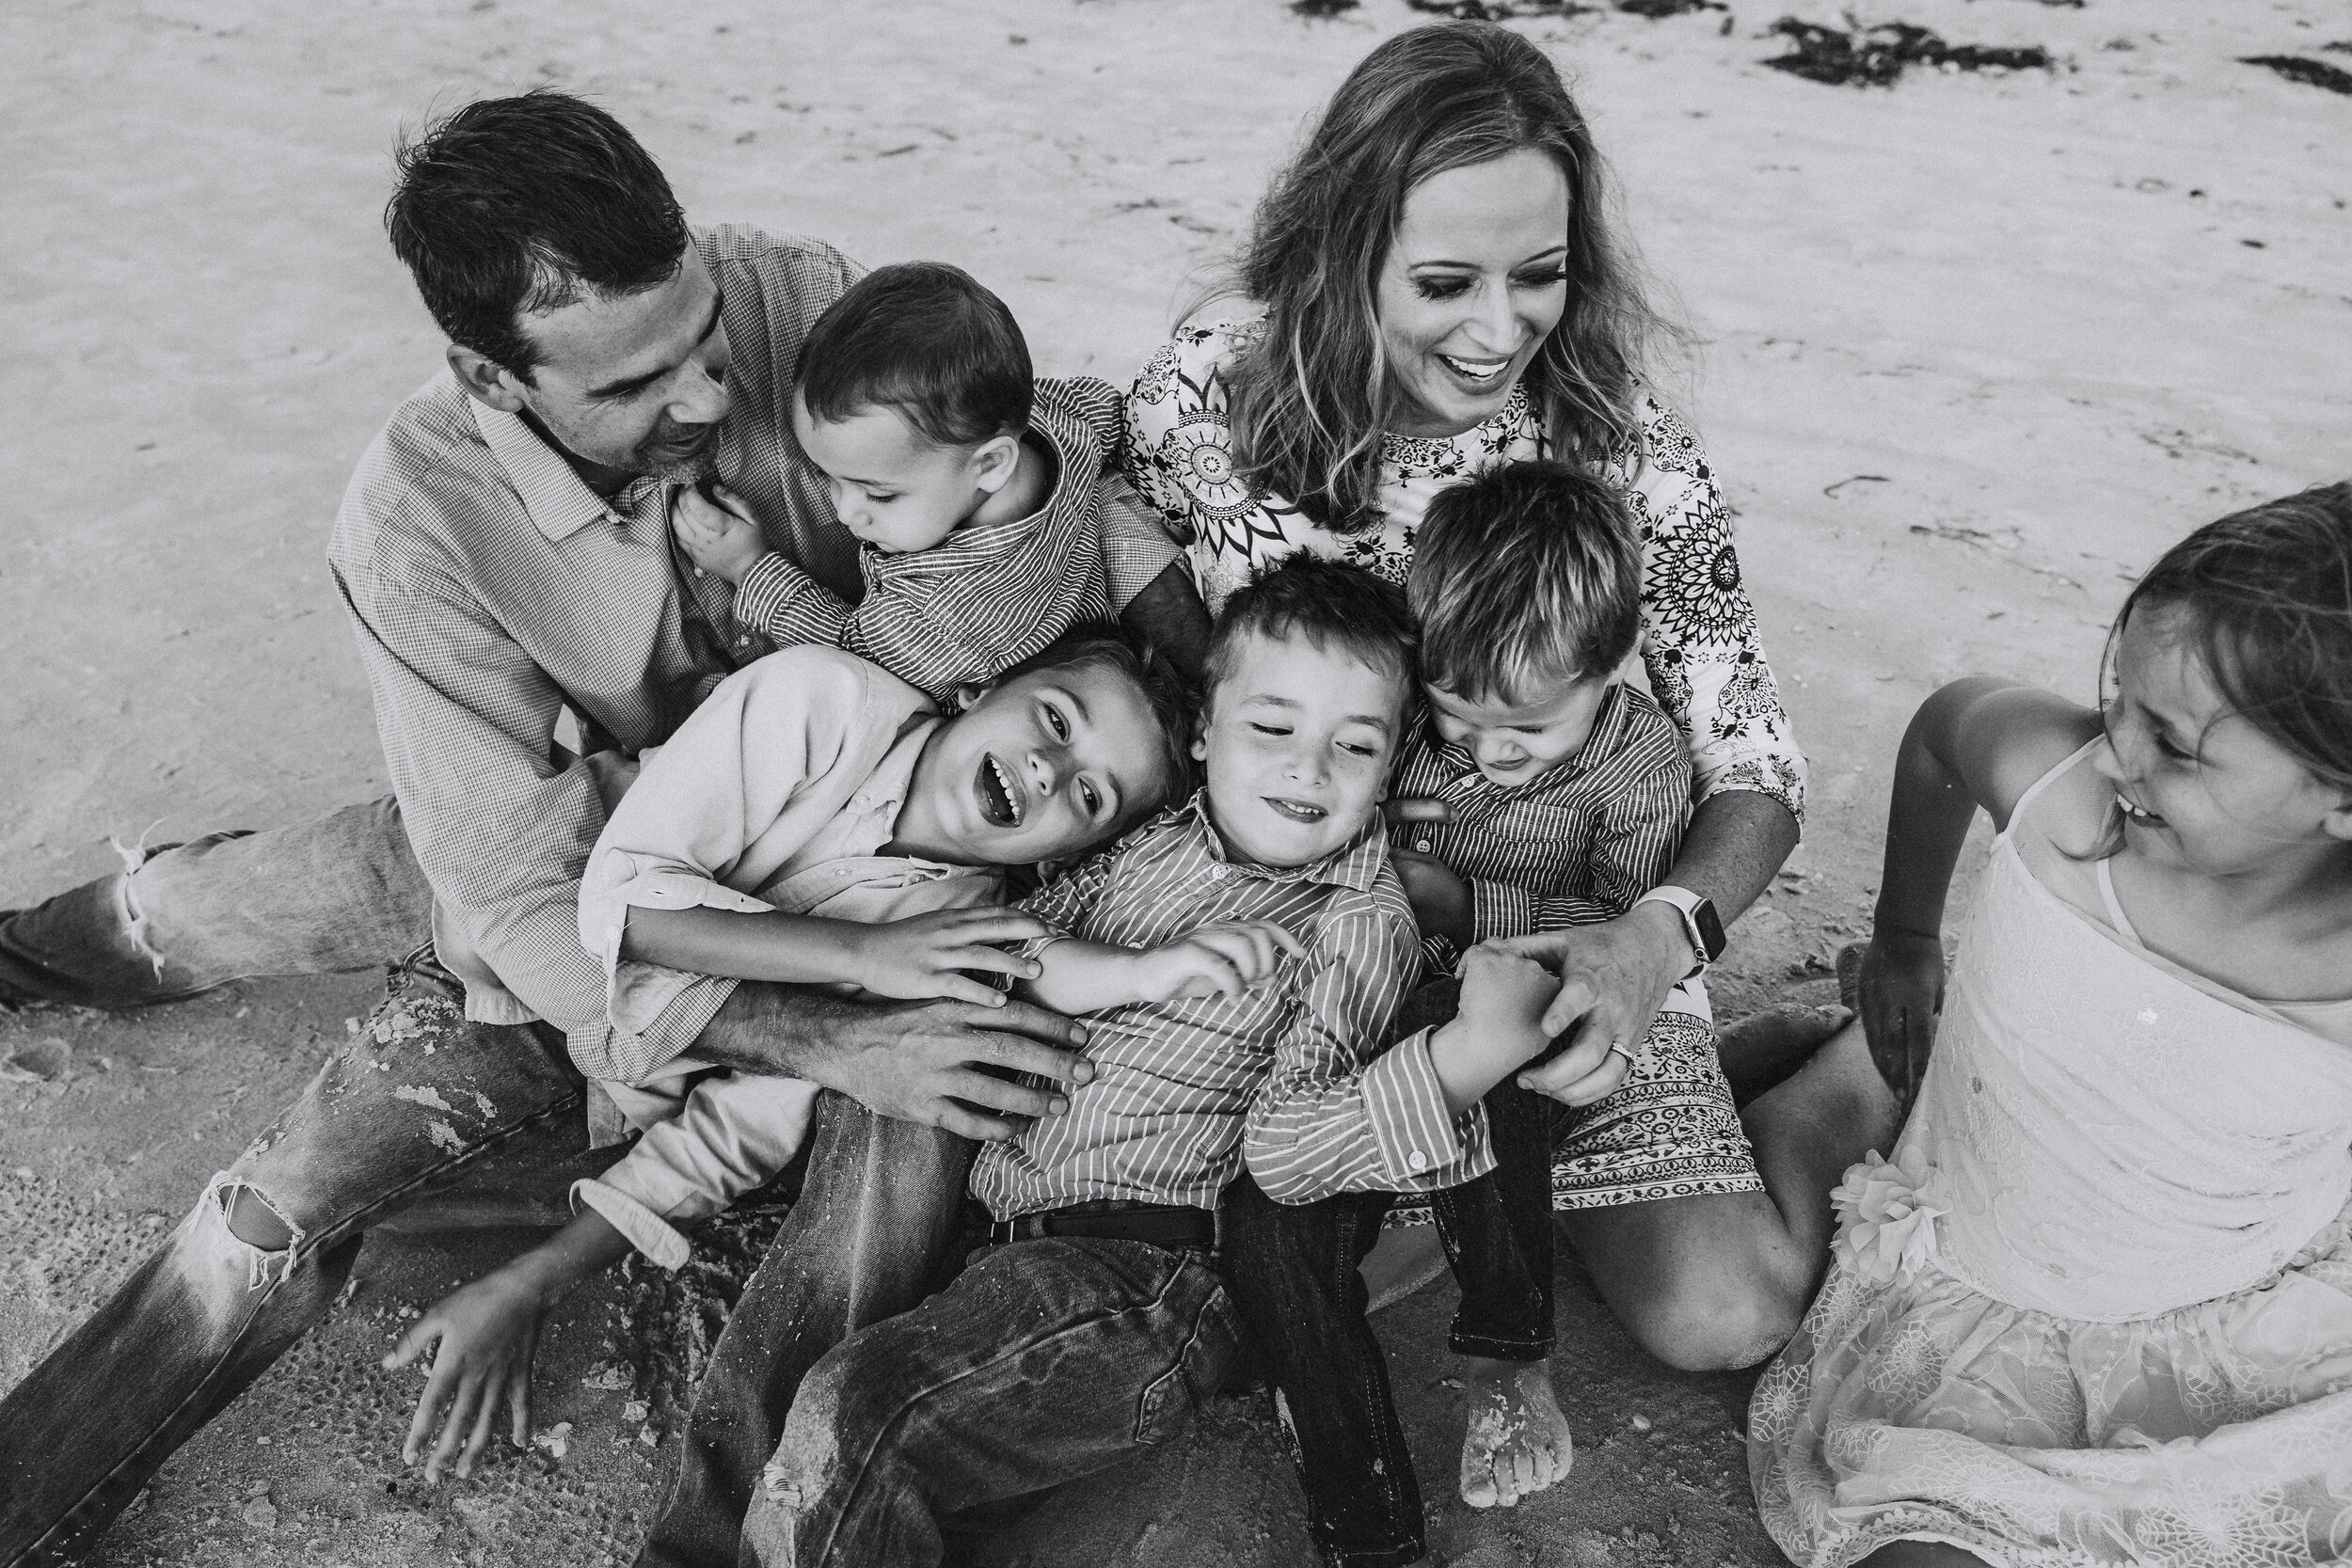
[
  {"x": 1529, "y": 574},
  {"x": 1109, "y": 646},
  {"x": 927, "y": 339},
  {"x": 1325, "y": 602},
  {"x": 2267, "y": 594}
]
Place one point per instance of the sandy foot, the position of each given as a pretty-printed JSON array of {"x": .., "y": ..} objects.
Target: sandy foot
[{"x": 1515, "y": 1440}]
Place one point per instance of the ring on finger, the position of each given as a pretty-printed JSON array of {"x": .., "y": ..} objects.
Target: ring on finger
[{"x": 1616, "y": 1048}]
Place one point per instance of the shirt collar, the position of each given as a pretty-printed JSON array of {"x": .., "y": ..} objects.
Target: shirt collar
[
  {"x": 559, "y": 500},
  {"x": 883, "y": 795},
  {"x": 1355, "y": 865},
  {"x": 1608, "y": 719}
]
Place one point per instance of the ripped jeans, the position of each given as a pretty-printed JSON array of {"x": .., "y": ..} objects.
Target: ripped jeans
[
  {"x": 419, "y": 1099},
  {"x": 1044, "y": 1362}
]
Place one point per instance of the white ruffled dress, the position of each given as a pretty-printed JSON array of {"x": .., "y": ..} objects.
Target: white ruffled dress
[{"x": 2098, "y": 1307}]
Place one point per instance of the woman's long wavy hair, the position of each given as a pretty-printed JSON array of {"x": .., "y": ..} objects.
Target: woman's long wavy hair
[{"x": 1308, "y": 402}]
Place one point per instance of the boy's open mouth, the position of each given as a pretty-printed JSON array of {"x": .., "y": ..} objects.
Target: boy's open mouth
[
  {"x": 1297, "y": 810},
  {"x": 2138, "y": 813},
  {"x": 1000, "y": 800}
]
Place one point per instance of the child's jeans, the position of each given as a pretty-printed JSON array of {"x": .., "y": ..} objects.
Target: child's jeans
[
  {"x": 1296, "y": 1287},
  {"x": 1045, "y": 1361}
]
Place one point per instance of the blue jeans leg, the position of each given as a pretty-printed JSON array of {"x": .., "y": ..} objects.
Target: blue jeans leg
[
  {"x": 1300, "y": 1298},
  {"x": 873, "y": 1233},
  {"x": 1045, "y": 1361},
  {"x": 407, "y": 1106},
  {"x": 343, "y": 892}
]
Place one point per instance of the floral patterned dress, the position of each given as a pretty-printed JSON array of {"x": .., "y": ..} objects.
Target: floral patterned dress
[
  {"x": 1671, "y": 1130},
  {"x": 2098, "y": 1307},
  {"x": 1699, "y": 647}
]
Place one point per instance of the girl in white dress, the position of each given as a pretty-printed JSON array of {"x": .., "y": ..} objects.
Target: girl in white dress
[{"x": 2098, "y": 1306}]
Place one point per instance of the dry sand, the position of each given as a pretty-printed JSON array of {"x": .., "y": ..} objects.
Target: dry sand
[{"x": 2058, "y": 318}]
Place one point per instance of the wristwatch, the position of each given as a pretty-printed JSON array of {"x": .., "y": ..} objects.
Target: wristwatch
[{"x": 1698, "y": 922}]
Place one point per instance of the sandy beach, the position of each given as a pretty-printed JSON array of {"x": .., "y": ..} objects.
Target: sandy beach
[{"x": 1968, "y": 351}]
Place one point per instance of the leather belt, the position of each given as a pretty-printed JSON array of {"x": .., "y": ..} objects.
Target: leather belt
[{"x": 1165, "y": 1224}]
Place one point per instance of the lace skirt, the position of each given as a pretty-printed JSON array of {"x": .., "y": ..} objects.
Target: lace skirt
[{"x": 2218, "y": 1435}]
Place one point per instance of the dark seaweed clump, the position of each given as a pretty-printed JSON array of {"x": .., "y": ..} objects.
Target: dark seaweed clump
[
  {"x": 1502, "y": 10},
  {"x": 2317, "y": 73},
  {"x": 1876, "y": 57}
]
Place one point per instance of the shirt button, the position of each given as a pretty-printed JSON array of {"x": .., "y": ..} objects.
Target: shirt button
[
  {"x": 1418, "y": 1157},
  {"x": 1216, "y": 873}
]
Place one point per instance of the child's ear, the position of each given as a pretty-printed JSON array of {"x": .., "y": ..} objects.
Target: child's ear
[
  {"x": 2336, "y": 824},
  {"x": 970, "y": 692},
  {"x": 994, "y": 461},
  {"x": 1201, "y": 733}
]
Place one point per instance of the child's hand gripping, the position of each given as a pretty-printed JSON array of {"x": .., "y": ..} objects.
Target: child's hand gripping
[
  {"x": 717, "y": 533},
  {"x": 1215, "y": 960},
  {"x": 924, "y": 956},
  {"x": 488, "y": 1332}
]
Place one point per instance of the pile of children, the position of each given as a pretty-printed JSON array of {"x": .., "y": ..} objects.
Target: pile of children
[{"x": 1230, "y": 921}]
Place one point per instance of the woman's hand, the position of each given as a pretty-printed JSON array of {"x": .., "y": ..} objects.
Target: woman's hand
[
  {"x": 1901, "y": 997},
  {"x": 925, "y": 957},
  {"x": 488, "y": 1332},
  {"x": 1614, "y": 978},
  {"x": 717, "y": 535}
]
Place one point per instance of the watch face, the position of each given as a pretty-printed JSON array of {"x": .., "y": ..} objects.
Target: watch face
[{"x": 1710, "y": 928}]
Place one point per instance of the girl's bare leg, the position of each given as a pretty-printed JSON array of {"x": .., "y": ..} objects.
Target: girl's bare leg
[{"x": 1922, "y": 1553}]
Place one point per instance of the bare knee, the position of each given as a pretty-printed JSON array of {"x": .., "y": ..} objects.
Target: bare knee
[
  {"x": 252, "y": 1221},
  {"x": 1717, "y": 1327}
]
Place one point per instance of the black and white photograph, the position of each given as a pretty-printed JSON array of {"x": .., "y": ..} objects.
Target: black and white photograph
[{"x": 1179, "y": 784}]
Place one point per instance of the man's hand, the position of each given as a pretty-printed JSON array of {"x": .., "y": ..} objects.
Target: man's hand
[
  {"x": 1903, "y": 996},
  {"x": 926, "y": 956},
  {"x": 1215, "y": 960},
  {"x": 1614, "y": 978},
  {"x": 937, "y": 1063},
  {"x": 718, "y": 536}
]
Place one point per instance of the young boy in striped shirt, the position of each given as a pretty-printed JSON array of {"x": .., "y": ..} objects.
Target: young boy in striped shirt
[
  {"x": 1239, "y": 961},
  {"x": 1538, "y": 791},
  {"x": 975, "y": 491}
]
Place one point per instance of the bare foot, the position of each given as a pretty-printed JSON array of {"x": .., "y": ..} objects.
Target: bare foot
[
  {"x": 1515, "y": 1441},
  {"x": 1401, "y": 1262}
]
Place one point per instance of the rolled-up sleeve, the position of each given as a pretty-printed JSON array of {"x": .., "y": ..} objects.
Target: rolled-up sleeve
[
  {"x": 733, "y": 1135},
  {"x": 773, "y": 752},
  {"x": 1334, "y": 1117}
]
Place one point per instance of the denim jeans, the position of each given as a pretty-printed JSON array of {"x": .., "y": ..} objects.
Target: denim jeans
[
  {"x": 1295, "y": 1286},
  {"x": 419, "y": 1099},
  {"x": 1045, "y": 1361},
  {"x": 340, "y": 893},
  {"x": 875, "y": 1232}
]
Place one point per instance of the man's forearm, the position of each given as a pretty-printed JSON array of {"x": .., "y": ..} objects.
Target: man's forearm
[
  {"x": 779, "y": 1031},
  {"x": 1737, "y": 839}
]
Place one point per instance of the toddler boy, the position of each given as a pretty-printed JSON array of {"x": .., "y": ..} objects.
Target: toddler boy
[
  {"x": 815, "y": 821},
  {"x": 975, "y": 491},
  {"x": 1239, "y": 961}
]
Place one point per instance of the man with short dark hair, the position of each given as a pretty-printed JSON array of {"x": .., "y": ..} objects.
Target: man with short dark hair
[{"x": 505, "y": 552}]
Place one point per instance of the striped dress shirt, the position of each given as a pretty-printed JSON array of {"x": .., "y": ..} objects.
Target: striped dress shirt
[
  {"x": 1288, "y": 1077},
  {"x": 1572, "y": 846},
  {"x": 491, "y": 590},
  {"x": 987, "y": 596}
]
